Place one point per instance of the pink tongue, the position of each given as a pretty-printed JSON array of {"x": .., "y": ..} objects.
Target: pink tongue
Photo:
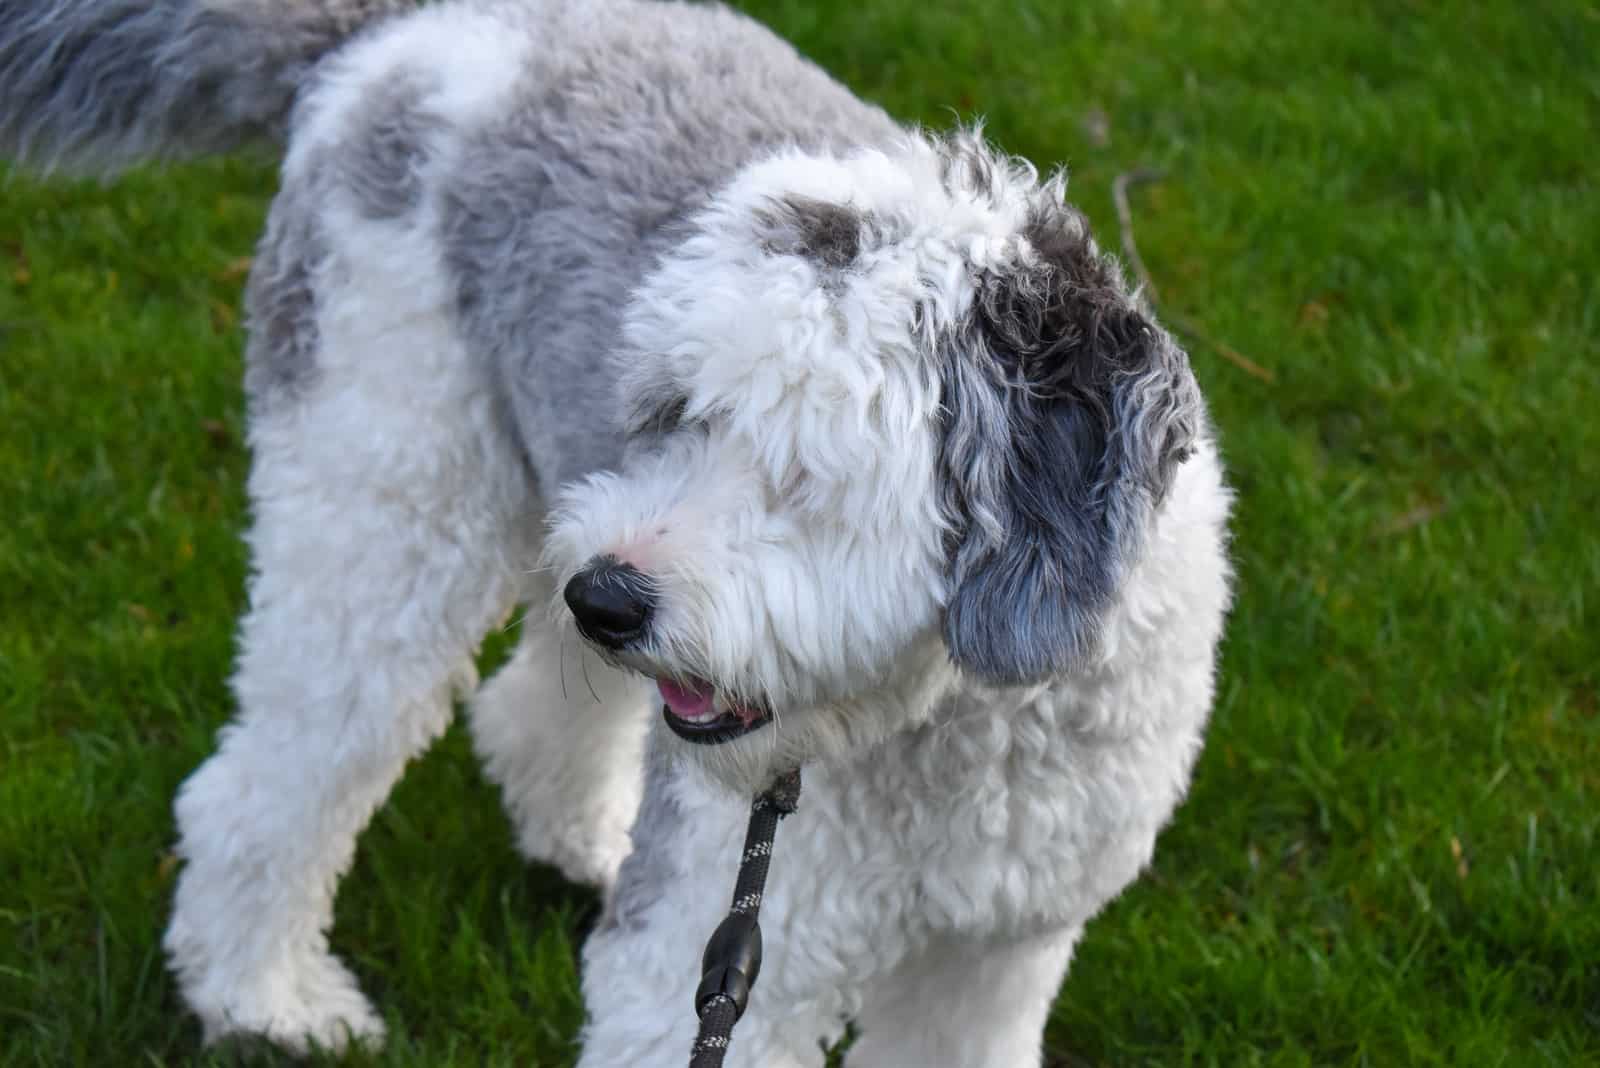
[{"x": 687, "y": 702}]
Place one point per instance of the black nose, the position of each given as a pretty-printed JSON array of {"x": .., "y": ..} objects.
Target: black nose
[{"x": 611, "y": 601}]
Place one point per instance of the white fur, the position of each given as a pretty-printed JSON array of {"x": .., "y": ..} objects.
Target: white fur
[
  {"x": 467, "y": 82},
  {"x": 375, "y": 578},
  {"x": 563, "y": 735}
]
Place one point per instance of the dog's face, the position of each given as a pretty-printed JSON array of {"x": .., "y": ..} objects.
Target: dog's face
[{"x": 891, "y": 419}]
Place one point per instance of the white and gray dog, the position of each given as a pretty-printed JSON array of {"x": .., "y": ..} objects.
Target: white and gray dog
[{"x": 844, "y": 442}]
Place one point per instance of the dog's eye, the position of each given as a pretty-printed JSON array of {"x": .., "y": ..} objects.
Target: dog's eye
[{"x": 660, "y": 418}]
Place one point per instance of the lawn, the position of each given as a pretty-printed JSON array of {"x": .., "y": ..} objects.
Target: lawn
[{"x": 1379, "y": 226}]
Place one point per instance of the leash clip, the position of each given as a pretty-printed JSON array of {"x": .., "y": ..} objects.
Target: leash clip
[{"x": 732, "y": 963}]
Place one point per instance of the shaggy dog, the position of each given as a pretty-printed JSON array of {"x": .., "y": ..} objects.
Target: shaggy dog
[{"x": 845, "y": 442}]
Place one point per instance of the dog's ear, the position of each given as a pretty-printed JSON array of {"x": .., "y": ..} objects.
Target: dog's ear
[{"x": 1068, "y": 411}]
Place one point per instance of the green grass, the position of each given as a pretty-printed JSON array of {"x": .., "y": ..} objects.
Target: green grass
[{"x": 1389, "y": 856}]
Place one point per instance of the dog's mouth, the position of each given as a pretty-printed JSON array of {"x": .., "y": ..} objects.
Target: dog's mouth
[{"x": 696, "y": 712}]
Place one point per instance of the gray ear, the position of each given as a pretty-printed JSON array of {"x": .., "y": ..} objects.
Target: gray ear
[{"x": 1068, "y": 412}]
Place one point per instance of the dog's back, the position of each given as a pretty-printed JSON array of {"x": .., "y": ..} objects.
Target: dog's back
[{"x": 539, "y": 152}]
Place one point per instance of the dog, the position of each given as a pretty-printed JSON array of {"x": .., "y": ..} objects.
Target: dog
[{"x": 803, "y": 438}]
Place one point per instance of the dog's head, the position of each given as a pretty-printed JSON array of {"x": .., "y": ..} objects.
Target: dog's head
[{"x": 894, "y": 419}]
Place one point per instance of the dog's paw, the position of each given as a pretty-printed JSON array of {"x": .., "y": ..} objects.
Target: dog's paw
[{"x": 316, "y": 1007}]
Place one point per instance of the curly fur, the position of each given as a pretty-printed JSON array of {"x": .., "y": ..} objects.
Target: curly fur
[{"x": 897, "y": 452}]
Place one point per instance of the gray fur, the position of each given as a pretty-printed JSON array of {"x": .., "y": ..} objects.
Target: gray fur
[
  {"x": 1068, "y": 413},
  {"x": 657, "y": 414},
  {"x": 96, "y": 85},
  {"x": 653, "y": 865},
  {"x": 558, "y": 209},
  {"x": 280, "y": 301},
  {"x": 827, "y": 233},
  {"x": 382, "y": 162}
]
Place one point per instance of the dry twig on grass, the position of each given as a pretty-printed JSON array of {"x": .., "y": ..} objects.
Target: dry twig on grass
[{"x": 1130, "y": 252}]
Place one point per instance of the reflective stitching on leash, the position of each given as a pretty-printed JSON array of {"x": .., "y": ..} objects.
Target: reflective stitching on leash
[{"x": 732, "y": 960}]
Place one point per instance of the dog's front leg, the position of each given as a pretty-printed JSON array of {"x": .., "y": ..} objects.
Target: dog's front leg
[
  {"x": 336, "y": 694},
  {"x": 964, "y": 1002},
  {"x": 389, "y": 522},
  {"x": 642, "y": 965},
  {"x": 562, "y": 733}
]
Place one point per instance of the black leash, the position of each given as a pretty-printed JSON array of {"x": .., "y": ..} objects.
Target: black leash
[{"x": 733, "y": 955}]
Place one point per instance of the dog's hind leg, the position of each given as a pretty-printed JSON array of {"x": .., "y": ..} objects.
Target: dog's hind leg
[
  {"x": 393, "y": 519},
  {"x": 563, "y": 735}
]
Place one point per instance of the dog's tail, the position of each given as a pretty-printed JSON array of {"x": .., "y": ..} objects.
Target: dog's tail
[{"x": 95, "y": 85}]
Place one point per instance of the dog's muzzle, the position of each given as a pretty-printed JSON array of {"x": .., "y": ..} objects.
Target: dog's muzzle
[{"x": 612, "y": 603}]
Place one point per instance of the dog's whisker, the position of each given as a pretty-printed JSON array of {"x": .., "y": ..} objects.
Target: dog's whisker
[
  {"x": 561, "y": 665},
  {"x": 583, "y": 662}
]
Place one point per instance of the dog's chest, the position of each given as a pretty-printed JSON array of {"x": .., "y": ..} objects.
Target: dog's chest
[{"x": 993, "y": 822}]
